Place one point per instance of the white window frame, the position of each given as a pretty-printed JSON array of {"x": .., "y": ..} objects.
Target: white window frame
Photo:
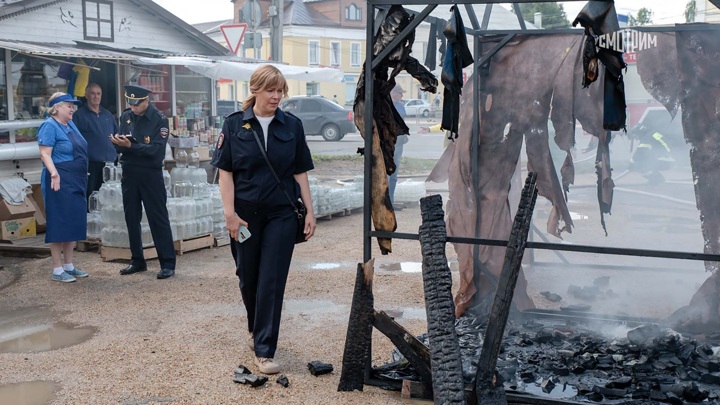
[
  {"x": 313, "y": 45},
  {"x": 355, "y": 52},
  {"x": 353, "y": 13},
  {"x": 335, "y": 57},
  {"x": 97, "y": 21}
]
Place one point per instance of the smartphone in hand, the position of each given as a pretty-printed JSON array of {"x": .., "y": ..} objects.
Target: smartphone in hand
[{"x": 243, "y": 234}]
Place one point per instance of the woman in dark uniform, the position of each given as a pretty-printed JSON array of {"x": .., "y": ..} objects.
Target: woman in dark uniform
[
  {"x": 252, "y": 198},
  {"x": 63, "y": 152}
]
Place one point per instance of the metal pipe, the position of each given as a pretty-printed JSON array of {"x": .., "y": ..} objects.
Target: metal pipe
[
  {"x": 367, "y": 186},
  {"x": 19, "y": 124},
  {"x": 19, "y": 151},
  {"x": 664, "y": 254}
]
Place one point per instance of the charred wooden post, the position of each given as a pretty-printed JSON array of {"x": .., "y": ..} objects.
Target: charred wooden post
[
  {"x": 356, "y": 357},
  {"x": 488, "y": 388},
  {"x": 414, "y": 351},
  {"x": 447, "y": 378}
]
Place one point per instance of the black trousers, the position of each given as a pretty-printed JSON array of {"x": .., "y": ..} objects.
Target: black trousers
[
  {"x": 95, "y": 177},
  {"x": 263, "y": 263},
  {"x": 145, "y": 187}
]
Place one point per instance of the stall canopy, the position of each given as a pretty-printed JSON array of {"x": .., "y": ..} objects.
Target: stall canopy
[{"x": 216, "y": 68}]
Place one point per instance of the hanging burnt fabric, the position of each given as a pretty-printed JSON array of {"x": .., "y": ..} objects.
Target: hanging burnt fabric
[
  {"x": 599, "y": 18},
  {"x": 387, "y": 122},
  {"x": 431, "y": 54},
  {"x": 457, "y": 56}
]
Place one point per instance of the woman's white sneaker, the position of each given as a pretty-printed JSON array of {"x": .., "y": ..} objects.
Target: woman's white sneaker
[{"x": 267, "y": 366}]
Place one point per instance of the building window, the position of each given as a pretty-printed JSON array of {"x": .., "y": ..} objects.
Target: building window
[
  {"x": 353, "y": 13},
  {"x": 311, "y": 89},
  {"x": 313, "y": 53},
  {"x": 334, "y": 53},
  {"x": 355, "y": 54},
  {"x": 98, "y": 20}
]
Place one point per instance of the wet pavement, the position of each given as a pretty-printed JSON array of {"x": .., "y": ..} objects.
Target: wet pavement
[
  {"x": 28, "y": 393},
  {"x": 34, "y": 330}
]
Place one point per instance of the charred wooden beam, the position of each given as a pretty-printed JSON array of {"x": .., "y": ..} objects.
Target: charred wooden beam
[
  {"x": 414, "y": 351},
  {"x": 356, "y": 357},
  {"x": 487, "y": 386},
  {"x": 447, "y": 377}
]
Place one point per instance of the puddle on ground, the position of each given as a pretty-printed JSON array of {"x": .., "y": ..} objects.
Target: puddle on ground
[
  {"x": 314, "y": 307},
  {"x": 28, "y": 393},
  {"x": 405, "y": 267},
  {"x": 34, "y": 330},
  {"x": 407, "y": 313},
  {"x": 412, "y": 267},
  {"x": 325, "y": 266}
]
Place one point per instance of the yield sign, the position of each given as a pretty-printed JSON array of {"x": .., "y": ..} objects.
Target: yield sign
[{"x": 233, "y": 34}]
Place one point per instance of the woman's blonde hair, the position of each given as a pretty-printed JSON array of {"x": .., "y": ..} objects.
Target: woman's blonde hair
[
  {"x": 263, "y": 78},
  {"x": 53, "y": 110}
]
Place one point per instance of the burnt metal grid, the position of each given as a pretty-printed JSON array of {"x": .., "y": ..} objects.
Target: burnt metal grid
[{"x": 376, "y": 12}]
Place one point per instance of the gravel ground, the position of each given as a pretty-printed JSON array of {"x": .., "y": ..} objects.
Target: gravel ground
[{"x": 179, "y": 340}]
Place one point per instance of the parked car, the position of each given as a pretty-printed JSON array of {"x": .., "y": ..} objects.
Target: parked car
[
  {"x": 321, "y": 116},
  {"x": 415, "y": 107}
]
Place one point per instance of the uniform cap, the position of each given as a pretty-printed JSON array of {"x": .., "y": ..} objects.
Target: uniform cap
[{"x": 135, "y": 94}]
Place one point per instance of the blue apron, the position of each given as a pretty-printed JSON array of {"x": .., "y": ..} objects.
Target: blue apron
[{"x": 66, "y": 209}]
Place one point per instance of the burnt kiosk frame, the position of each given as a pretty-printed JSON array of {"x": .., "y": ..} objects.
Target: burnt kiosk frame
[{"x": 375, "y": 13}]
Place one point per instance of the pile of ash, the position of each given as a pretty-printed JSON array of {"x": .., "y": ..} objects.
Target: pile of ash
[{"x": 573, "y": 361}]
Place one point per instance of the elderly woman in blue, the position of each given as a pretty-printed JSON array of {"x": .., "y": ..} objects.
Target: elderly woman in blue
[{"x": 63, "y": 152}]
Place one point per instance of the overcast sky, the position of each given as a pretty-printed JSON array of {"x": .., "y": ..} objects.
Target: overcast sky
[{"x": 665, "y": 12}]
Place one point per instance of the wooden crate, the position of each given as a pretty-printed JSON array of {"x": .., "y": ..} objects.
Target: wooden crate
[
  {"x": 108, "y": 253},
  {"x": 88, "y": 245},
  {"x": 222, "y": 241},
  {"x": 200, "y": 242}
]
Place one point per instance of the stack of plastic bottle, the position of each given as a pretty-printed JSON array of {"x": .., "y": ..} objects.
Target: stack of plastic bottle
[
  {"x": 112, "y": 214},
  {"x": 191, "y": 208}
]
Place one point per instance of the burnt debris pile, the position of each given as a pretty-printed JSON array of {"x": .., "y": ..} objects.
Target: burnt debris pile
[
  {"x": 572, "y": 361},
  {"x": 650, "y": 362}
]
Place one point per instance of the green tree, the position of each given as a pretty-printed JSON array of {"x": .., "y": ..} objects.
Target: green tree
[
  {"x": 553, "y": 14},
  {"x": 690, "y": 10},
  {"x": 644, "y": 17}
]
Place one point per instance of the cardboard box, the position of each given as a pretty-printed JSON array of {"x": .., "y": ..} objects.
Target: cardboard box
[
  {"x": 15, "y": 229},
  {"x": 204, "y": 152},
  {"x": 39, "y": 198},
  {"x": 8, "y": 211},
  {"x": 177, "y": 142},
  {"x": 40, "y": 220}
]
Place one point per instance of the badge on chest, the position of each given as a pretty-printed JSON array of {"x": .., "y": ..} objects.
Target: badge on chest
[{"x": 147, "y": 139}]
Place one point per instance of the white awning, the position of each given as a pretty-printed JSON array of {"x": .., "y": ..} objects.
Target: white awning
[
  {"x": 63, "y": 50},
  {"x": 225, "y": 69}
]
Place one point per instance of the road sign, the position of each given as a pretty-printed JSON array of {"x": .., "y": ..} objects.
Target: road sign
[{"x": 233, "y": 34}]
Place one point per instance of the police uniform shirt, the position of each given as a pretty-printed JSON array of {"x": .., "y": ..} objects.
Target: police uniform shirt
[
  {"x": 238, "y": 152},
  {"x": 149, "y": 132},
  {"x": 96, "y": 128}
]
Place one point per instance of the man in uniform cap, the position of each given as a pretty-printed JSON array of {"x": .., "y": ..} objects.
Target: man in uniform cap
[{"x": 142, "y": 140}]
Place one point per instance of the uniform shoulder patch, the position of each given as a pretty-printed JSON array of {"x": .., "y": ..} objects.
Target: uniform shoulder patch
[
  {"x": 220, "y": 140},
  {"x": 164, "y": 132}
]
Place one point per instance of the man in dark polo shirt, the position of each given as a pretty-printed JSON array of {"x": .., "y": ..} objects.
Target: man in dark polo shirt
[{"x": 96, "y": 124}]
